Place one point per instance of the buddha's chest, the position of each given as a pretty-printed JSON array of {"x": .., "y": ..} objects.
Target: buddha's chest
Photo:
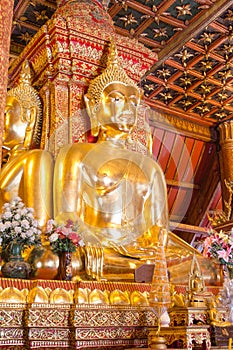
[
  {"x": 115, "y": 179},
  {"x": 113, "y": 191}
]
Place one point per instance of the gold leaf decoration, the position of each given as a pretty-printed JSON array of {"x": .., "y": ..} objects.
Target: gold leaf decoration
[{"x": 128, "y": 19}]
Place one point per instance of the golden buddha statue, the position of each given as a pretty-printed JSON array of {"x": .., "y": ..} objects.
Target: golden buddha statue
[
  {"x": 118, "y": 196},
  {"x": 215, "y": 317},
  {"x": 27, "y": 172},
  {"x": 197, "y": 282},
  {"x": 197, "y": 291}
]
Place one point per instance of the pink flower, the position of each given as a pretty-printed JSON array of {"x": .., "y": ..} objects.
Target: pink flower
[
  {"x": 224, "y": 254},
  {"x": 69, "y": 223},
  {"x": 66, "y": 231},
  {"x": 75, "y": 238}
]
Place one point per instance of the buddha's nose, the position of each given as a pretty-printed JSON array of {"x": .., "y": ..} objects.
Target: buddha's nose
[{"x": 128, "y": 105}]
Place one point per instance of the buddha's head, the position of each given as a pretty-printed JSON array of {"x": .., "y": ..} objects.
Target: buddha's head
[
  {"x": 112, "y": 99},
  {"x": 23, "y": 115}
]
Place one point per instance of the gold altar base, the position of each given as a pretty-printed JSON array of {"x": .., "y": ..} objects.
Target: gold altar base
[
  {"x": 52, "y": 326},
  {"x": 91, "y": 323},
  {"x": 69, "y": 325}
]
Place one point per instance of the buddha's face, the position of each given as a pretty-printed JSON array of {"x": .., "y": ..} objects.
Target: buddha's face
[
  {"x": 14, "y": 127},
  {"x": 118, "y": 107}
]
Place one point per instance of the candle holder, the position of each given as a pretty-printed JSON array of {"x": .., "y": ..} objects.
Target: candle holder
[
  {"x": 159, "y": 298},
  {"x": 230, "y": 344}
]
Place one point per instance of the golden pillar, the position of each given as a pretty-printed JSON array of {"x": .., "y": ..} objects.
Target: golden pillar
[
  {"x": 226, "y": 167},
  {"x": 6, "y": 14}
]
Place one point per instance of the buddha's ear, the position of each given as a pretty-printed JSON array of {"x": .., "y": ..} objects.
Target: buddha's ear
[
  {"x": 90, "y": 104},
  {"x": 31, "y": 119},
  {"x": 91, "y": 111},
  {"x": 141, "y": 94}
]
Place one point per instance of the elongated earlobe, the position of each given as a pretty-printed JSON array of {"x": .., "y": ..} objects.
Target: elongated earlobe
[
  {"x": 94, "y": 127},
  {"x": 91, "y": 111},
  {"x": 30, "y": 127}
]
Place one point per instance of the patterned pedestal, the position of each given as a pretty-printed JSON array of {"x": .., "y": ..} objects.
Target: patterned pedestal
[
  {"x": 48, "y": 326},
  {"x": 12, "y": 326},
  {"x": 187, "y": 336},
  {"x": 188, "y": 316},
  {"x": 116, "y": 327},
  {"x": 188, "y": 327}
]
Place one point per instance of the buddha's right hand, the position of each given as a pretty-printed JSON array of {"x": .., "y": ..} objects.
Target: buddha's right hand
[
  {"x": 135, "y": 251},
  {"x": 94, "y": 260}
]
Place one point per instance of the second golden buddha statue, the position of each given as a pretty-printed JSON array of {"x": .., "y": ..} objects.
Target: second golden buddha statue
[{"x": 28, "y": 171}]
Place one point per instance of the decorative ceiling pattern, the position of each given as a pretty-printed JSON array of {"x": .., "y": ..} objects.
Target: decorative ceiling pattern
[
  {"x": 194, "y": 42},
  {"x": 192, "y": 79}
]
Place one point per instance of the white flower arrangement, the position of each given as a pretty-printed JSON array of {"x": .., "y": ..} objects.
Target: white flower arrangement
[{"x": 17, "y": 223}]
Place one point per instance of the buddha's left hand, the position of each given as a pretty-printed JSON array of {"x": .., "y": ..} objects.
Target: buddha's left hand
[{"x": 94, "y": 260}]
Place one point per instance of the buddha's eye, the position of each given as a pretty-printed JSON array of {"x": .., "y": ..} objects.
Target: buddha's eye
[
  {"x": 115, "y": 99},
  {"x": 133, "y": 100}
]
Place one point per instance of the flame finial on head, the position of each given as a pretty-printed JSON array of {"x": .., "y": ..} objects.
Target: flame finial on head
[
  {"x": 113, "y": 73},
  {"x": 25, "y": 74},
  {"x": 24, "y": 92}
]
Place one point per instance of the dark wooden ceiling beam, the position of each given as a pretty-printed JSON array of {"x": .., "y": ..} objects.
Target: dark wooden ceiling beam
[
  {"x": 191, "y": 31},
  {"x": 48, "y": 4},
  {"x": 159, "y": 13},
  {"x": 190, "y": 93},
  {"x": 194, "y": 46},
  {"x": 191, "y": 116},
  {"x": 218, "y": 27},
  {"x": 197, "y": 74},
  {"x": 20, "y": 8},
  {"x": 113, "y": 10},
  {"x": 145, "y": 24},
  {"x": 154, "y": 45},
  {"x": 146, "y": 10},
  {"x": 172, "y": 21},
  {"x": 165, "y": 5},
  {"x": 26, "y": 25}
]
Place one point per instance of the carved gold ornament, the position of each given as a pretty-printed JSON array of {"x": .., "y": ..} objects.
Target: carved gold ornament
[{"x": 113, "y": 73}]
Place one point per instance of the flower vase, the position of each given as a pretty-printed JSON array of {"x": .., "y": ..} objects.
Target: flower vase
[
  {"x": 65, "y": 266},
  {"x": 15, "y": 267},
  {"x": 228, "y": 290}
]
